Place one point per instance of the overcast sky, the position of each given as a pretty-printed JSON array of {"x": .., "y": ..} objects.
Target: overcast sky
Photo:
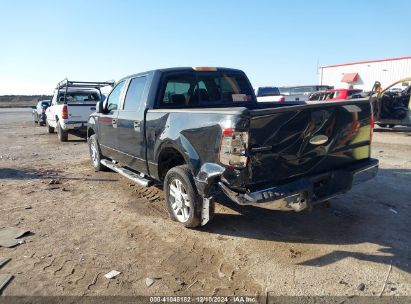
[{"x": 274, "y": 42}]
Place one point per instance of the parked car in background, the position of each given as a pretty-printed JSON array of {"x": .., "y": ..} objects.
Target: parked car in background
[
  {"x": 334, "y": 95},
  {"x": 201, "y": 132},
  {"x": 71, "y": 106},
  {"x": 301, "y": 93},
  {"x": 39, "y": 112},
  {"x": 269, "y": 94}
]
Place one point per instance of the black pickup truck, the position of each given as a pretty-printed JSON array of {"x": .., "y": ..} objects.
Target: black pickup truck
[{"x": 201, "y": 132}]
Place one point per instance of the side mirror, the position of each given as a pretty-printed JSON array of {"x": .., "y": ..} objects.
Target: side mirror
[{"x": 99, "y": 107}]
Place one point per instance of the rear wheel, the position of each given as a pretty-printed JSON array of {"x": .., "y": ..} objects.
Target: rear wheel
[
  {"x": 62, "y": 135},
  {"x": 184, "y": 204},
  {"x": 34, "y": 118},
  {"x": 95, "y": 153},
  {"x": 50, "y": 130}
]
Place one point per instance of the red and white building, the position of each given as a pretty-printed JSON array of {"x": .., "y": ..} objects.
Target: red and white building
[{"x": 362, "y": 75}]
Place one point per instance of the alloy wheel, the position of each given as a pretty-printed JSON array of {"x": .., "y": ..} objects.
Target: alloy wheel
[{"x": 179, "y": 199}]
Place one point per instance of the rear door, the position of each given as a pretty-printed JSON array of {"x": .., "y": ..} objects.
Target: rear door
[
  {"x": 303, "y": 140},
  {"x": 107, "y": 122},
  {"x": 131, "y": 140}
]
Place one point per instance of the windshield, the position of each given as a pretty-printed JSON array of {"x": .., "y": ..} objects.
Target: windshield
[
  {"x": 79, "y": 97},
  {"x": 285, "y": 91},
  {"x": 261, "y": 92},
  {"x": 205, "y": 89}
]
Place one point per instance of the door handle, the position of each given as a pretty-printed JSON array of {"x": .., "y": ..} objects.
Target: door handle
[{"x": 137, "y": 125}]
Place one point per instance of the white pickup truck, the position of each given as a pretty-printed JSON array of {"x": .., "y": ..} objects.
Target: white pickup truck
[
  {"x": 71, "y": 106},
  {"x": 269, "y": 94},
  {"x": 298, "y": 94}
]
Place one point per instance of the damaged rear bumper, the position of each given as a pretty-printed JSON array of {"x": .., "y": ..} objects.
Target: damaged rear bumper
[{"x": 298, "y": 195}]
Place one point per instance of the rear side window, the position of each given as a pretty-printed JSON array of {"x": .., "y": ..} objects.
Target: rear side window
[
  {"x": 178, "y": 89},
  {"x": 134, "y": 94},
  {"x": 204, "y": 89}
]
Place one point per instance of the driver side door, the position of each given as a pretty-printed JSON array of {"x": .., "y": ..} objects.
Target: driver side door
[{"x": 108, "y": 121}]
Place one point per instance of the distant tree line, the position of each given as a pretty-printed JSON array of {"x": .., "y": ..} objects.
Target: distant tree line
[{"x": 23, "y": 98}]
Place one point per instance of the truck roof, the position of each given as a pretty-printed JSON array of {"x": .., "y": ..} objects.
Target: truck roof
[
  {"x": 67, "y": 84},
  {"x": 71, "y": 90},
  {"x": 182, "y": 69}
]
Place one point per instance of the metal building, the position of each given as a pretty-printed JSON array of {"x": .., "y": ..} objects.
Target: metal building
[{"x": 362, "y": 75}]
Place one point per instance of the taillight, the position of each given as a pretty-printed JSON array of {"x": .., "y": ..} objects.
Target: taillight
[
  {"x": 282, "y": 99},
  {"x": 64, "y": 112},
  {"x": 233, "y": 148}
]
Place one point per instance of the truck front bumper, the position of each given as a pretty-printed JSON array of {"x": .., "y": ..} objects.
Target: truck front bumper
[{"x": 299, "y": 194}]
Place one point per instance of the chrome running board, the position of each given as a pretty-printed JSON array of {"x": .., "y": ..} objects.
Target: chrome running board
[{"x": 126, "y": 173}]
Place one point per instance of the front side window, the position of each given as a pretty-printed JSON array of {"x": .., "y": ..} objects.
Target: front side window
[
  {"x": 205, "y": 89},
  {"x": 113, "y": 100},
  {"x": 134, "y": 94}
]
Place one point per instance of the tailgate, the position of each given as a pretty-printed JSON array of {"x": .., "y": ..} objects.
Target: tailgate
[
  {"x": 307, "y": 139},
  {"x": 80, "y": 112}
]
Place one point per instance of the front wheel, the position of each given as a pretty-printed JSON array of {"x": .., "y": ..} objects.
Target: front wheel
[
  {"x": 183, "y": 202},
  {"x": 62, "y": 135}
]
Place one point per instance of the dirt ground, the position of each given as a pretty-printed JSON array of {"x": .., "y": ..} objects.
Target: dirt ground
[{"x": 92, "y": 222}]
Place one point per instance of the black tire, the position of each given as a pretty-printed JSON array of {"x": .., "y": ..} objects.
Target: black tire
[
  {"x": 382, "y": 125},
  {"x": 50, "y": 130},
  {"x": 61, "y": 134},
  {"x": 98, "y": 156},
  {"x": 391, "y": 126},
  {"x": 191, "y": 218}
]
